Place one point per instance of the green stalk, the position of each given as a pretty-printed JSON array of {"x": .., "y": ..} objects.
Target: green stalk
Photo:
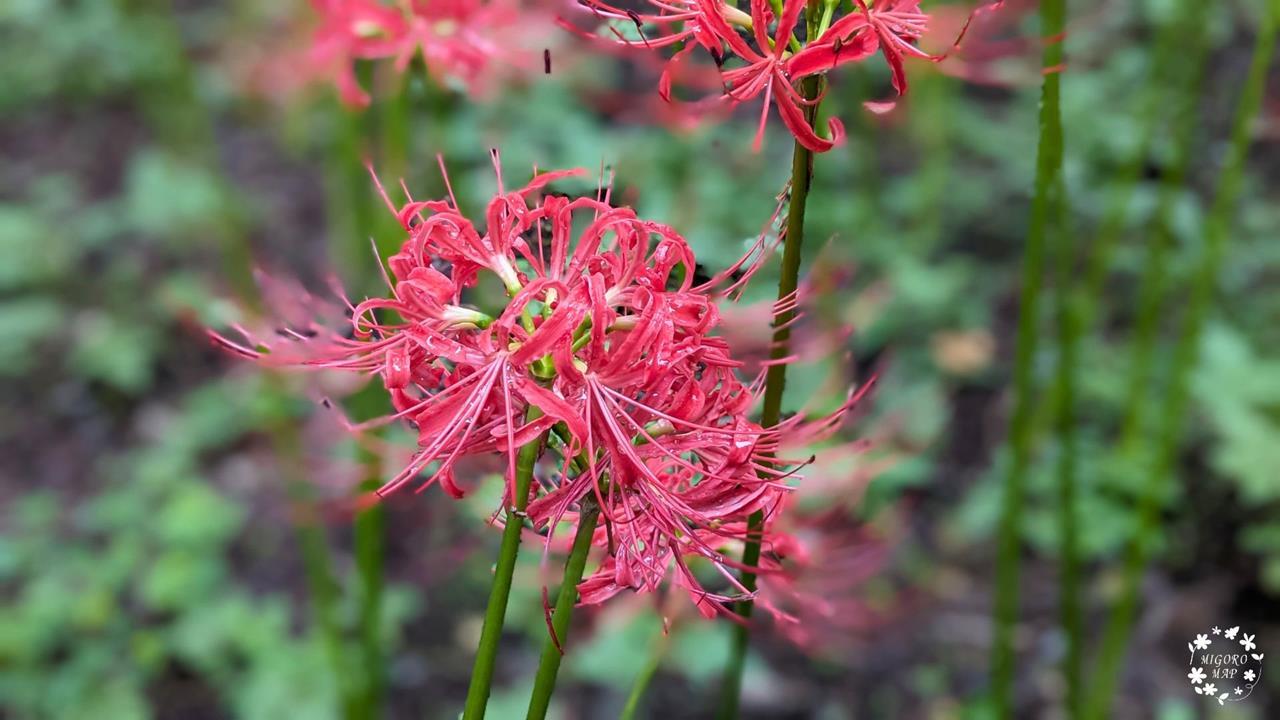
[
  {"x": 392, "y": 135},
  {"x": 544, "y": 682},
  {"x": 641, "y": 684},
  {"x": 1154, "y": 281},
  {"x": 370, "y": 531},
  {"x": 186, "y": 126},
  {"x": 356, "y": 219},
  {"x": 500, "y": 591},
  {"x": 1171, "y": 44},
  {"x": 1048, "y": 190},
  {"x": 317, "y": 562},
  {"x": 1174, "y": 42},
  {"x": 395, "y": 124},
  {"x": 775, "y": 383},
  {"x": 1174, "y": 408},
  {"x": 1069, "y": 324},
  {"x": 322, "y": 589}
]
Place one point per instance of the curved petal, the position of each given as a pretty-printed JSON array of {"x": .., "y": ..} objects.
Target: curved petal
[
  {"x": 793, "y": 117},
  {"x": 823, "y": 56}
]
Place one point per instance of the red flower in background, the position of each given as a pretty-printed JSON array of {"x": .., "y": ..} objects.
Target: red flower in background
[
  {"x": 605, "y": 332},
  {"x": 352, "y": 30},
  {"x": 798, "y": 47},
  {"x": 464, "y": 41}
]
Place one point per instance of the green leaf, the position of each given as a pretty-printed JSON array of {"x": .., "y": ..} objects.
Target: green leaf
[
  {"x": 616, "y": 654},
  {"x": 198, "y": 516},
  {"x": 114, "y": 351},
  {"x": 24, "y": 324},
  {"x": 33, "y": 252},
  {"x": 169, "y": 198}
]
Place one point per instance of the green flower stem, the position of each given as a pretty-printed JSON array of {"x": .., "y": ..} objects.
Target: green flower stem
[
  {"x": 1174, "y": 408},
  {"x": 383, "y": 127},
  {"x": 1044, "y": 213},
  {"x": 1178, "y": 45},
  {"x": 317, "y": 562},
  {"x": 1078, "y": 309},
  {"x": 1153, "y": 285},
  {"x": 370, "y": 531},
  {"x": 395, "y": 124},
  {"x": 641, "y": 684},
  {"x": 500, "y": 591},
  {"x": 186, "y": 126},
  {"x": 1069, "y": 320},
  {"x": 775, "y": 383},
  {"x": 544, "y": 682},
  {"x": 322, "y": 589},
  {"x": 1176, "y": 41}
]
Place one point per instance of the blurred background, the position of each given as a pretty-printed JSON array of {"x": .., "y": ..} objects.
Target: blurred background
[{"x": 164, "y": 547}]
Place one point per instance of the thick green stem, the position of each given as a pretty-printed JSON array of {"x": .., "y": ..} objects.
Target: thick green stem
[
  {"x": 775, "y": 383},
  {"x": 544, "y": 682},
  {"x": 1044, "y": 212},
  {"x": 500, "y": 591},
  {"x": 1069, "y": 321},
  {"x": 1173, "y": 410}
]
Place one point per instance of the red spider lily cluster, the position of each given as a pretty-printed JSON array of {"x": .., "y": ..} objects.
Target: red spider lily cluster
[
  {"x": 766, "y": 51},
  {"x": 605, "y": 348},
  {"x": 463, "y": 41}
]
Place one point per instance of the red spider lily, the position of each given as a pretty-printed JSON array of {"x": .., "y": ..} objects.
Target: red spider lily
[
  {"x": 767, "y": 72},
  {"x": 818, "y": 555},
  {"x": 811, "y": 580},
  {"x": 605, "y": 332},
  {"x": 464, "y": 41},
  {"x": 996, "y": 53},
  {"x": 775, "y": 64},
  {"x": 771, "y": 70},
  {"x": 352, "y": 30},
  {"x": 893, "y": 25}
]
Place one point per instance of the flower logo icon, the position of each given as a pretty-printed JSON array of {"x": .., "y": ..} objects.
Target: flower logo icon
[{"x": 1224, "y": 675}]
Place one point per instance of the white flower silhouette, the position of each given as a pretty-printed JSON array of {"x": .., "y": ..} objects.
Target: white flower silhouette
[
  {"x": 1239, "y": 691},
  {"x": 1202, "y": 642},
  {"x": 1196, "y": 675},
  {"x": 1247, "y": 641},
  {"x": 1249, "y": 675},
  {"x": 1231, "y": 633},
  {"x": 1210, "y": 689},
  {"x": 1216, "y": 630}
]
